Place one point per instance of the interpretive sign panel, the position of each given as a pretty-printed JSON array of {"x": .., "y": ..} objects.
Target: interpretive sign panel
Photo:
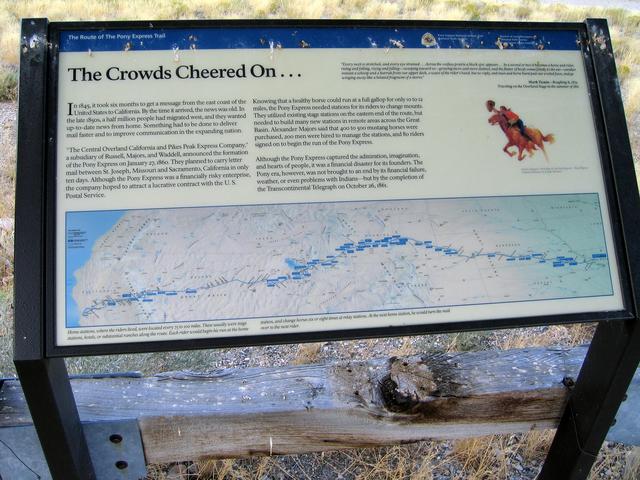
[
  {"x": 226, "y": 181},
  {"x": 202, "y": 184}
]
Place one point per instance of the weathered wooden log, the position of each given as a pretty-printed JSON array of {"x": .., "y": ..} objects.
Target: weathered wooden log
[{"x": 265, "y": 411}]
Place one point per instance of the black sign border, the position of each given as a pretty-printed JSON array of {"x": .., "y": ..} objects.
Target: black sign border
[{"x": 616, "y": 170}]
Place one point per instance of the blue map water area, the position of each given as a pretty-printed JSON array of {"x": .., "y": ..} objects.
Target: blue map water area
[{"x": 83, "y": 229}]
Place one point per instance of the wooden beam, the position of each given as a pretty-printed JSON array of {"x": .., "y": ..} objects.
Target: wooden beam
[{"x": 265, "y": 411}]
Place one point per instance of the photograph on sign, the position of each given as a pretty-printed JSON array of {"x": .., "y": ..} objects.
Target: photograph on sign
[{"x": 224, "y": 182}]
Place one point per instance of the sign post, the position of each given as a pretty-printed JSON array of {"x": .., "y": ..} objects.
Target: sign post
[
  {"x": 204, "y": 184},
  {"x": 615, "y": 349},
  {"x": 44, "y": 380}
]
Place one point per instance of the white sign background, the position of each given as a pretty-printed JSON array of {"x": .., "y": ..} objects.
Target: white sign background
[{"x": 461, "y": 152}]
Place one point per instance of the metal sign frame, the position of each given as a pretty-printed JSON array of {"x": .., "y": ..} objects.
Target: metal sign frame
[
  {"x": 608, "y": 367},
  {"x": 50, "y": 188}
]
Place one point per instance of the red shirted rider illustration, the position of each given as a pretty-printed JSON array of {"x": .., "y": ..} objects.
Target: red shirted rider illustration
[
  {"x": 526, "y": 139},
  {"x": 512, "y": 118}
]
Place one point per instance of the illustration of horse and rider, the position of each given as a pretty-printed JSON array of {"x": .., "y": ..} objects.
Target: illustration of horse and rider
[{"x": 526, "y": 139}]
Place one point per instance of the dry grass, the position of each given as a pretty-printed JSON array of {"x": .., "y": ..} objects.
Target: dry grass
[
  {"x": 7, "y": 182},
  {"x": 632, "y": 464},
  {"x": 8, "y": 83},
  {"x": 553, "y": 335},
  {"x": 307, "y": 353},
  {"x": 406, "y": 348},
  {"x": 495, "y": 456},
  {"x": 492, "y": 457},
  {"x": 7, "y": 186},
  {"x": 6, "y": 259},
  {"x": 484, "y": 457},
  {"x": 617, "y": 461},
  {"x": 534, "y": 445},
  {"x": 417, "y": 462},
  {"x": 467, "y": 341}
]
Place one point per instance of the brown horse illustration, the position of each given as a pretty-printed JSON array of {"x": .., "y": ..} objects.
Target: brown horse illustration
[{"x": 516, "y": 139}]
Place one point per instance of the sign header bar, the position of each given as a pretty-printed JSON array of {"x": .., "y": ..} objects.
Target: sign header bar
[{"x": 336, "y": 37}]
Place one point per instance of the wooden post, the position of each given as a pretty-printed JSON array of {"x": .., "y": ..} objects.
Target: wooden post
[{"x": 268, "y": 411}]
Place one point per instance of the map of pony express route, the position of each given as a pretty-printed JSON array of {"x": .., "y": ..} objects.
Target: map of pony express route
[{"x": 219, "y": 263}]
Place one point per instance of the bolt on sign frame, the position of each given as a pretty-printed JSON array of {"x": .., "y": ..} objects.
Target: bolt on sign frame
[{"x": 60, "y": 60}]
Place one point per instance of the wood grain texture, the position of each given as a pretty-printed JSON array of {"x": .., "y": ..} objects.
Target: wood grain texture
[{"x": 263, "y": 411}]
